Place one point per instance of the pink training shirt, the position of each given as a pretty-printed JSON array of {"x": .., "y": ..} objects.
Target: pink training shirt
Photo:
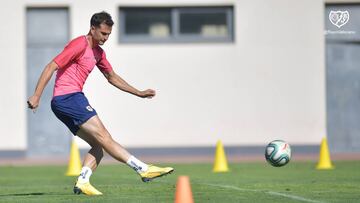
[{"x": 75, "y": 63}]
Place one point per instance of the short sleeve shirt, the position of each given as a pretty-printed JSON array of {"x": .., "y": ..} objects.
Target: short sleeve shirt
[{"x": 75, "y": 63}]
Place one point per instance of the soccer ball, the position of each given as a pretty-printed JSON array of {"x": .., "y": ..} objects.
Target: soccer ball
[{"x": 278, "y": 153}]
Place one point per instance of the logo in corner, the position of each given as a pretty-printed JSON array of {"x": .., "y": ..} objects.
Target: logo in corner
[
  {"x": 339, "y": 18},
  {"x": 89, "y": 108}
]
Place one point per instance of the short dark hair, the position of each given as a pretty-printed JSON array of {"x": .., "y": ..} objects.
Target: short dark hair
[{"x": 101, "y": 17}]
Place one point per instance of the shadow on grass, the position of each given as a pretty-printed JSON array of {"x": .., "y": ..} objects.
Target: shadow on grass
[{"x": 23, "y": 194}]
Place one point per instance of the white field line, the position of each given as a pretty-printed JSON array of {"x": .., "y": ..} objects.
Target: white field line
[{"x": 294, "y": 197}]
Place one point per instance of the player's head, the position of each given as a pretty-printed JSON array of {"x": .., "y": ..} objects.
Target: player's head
[{"x": 100, "y": 27}]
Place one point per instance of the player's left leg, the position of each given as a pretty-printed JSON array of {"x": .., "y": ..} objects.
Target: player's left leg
[
  {"x": 91, "y": 161},
  {"x": 93, "y": 157}
]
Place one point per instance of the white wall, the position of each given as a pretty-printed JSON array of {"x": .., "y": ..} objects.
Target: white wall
[
  {"x": 12, "y": 77},
  {"x": 268, "y": 84}
]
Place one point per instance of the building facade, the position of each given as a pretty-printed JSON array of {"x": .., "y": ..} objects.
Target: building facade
[{"x": 244, "y": 72}]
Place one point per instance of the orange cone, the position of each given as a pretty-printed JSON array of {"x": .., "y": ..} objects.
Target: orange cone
[{"x": 183, "y": 190}]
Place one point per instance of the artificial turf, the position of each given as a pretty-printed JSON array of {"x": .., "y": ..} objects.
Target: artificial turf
[{"x": 245, "y": 182}]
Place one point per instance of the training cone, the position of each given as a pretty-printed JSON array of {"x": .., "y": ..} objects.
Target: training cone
[
  {"x": 74, "y": 167},
  {"x": 220, "y": 163},
  {"x": 324, "y": 157},
  {"x": 183, "y": 192}
]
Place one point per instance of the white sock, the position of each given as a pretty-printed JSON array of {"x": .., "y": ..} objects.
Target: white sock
[
  {"x": 85, "y": 174},
  {"x": 137, "y": 165}
]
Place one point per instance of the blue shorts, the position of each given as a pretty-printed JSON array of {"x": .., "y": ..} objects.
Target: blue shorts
[{"x": 72, "y": 109}]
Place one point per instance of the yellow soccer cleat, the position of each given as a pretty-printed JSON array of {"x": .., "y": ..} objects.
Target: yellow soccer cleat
[
  {"x": 155, "y": 172},
  {"x": 86, "y": 188}
]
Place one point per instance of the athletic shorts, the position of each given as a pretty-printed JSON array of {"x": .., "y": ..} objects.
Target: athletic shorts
[{"x": 72, "y": 109}]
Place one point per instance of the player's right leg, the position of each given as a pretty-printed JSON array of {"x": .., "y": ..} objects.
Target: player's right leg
[{"x": 96, "y": 130}]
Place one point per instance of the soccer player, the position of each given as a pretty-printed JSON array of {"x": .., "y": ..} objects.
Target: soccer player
[{"x": 69, "y": 104}]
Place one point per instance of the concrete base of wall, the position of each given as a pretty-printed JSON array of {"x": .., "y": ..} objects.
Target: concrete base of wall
[
  {"x": 180, "y": 155},
  {"x": 12, "y": 154}
]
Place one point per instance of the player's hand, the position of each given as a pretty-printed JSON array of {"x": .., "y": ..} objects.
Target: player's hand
[
  {"x": 33, "y": 102},
  {"x": 149, "y": 93}
]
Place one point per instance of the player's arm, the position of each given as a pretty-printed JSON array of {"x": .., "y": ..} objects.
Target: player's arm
[
  {"x": 72, "y": 51},
  {"x": 121, "y": 84},
  {"x": 34, "y": 100}
]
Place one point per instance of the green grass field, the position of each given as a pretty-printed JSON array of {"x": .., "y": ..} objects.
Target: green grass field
[{"x": 247, "y": 182}]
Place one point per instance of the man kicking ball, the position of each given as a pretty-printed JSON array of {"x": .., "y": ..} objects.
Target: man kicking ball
[{"x": 69, "y": 104}]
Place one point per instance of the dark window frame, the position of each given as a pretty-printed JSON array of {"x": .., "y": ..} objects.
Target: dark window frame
[{"x": 175, "y": 35}]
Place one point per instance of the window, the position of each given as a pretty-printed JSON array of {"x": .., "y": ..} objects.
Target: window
[
  {"x": 176, "y": 24},
  {"x": 148, "y": 22}
]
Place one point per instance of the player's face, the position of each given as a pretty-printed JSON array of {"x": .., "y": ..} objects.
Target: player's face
[{"x": 101, "y": 34}]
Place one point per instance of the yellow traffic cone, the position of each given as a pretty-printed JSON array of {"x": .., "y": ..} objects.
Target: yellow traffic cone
[
  {"x": 74, "y": 167},
  {"x": 324, "y": 158},
  {"x": 220, "y": 163}
]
